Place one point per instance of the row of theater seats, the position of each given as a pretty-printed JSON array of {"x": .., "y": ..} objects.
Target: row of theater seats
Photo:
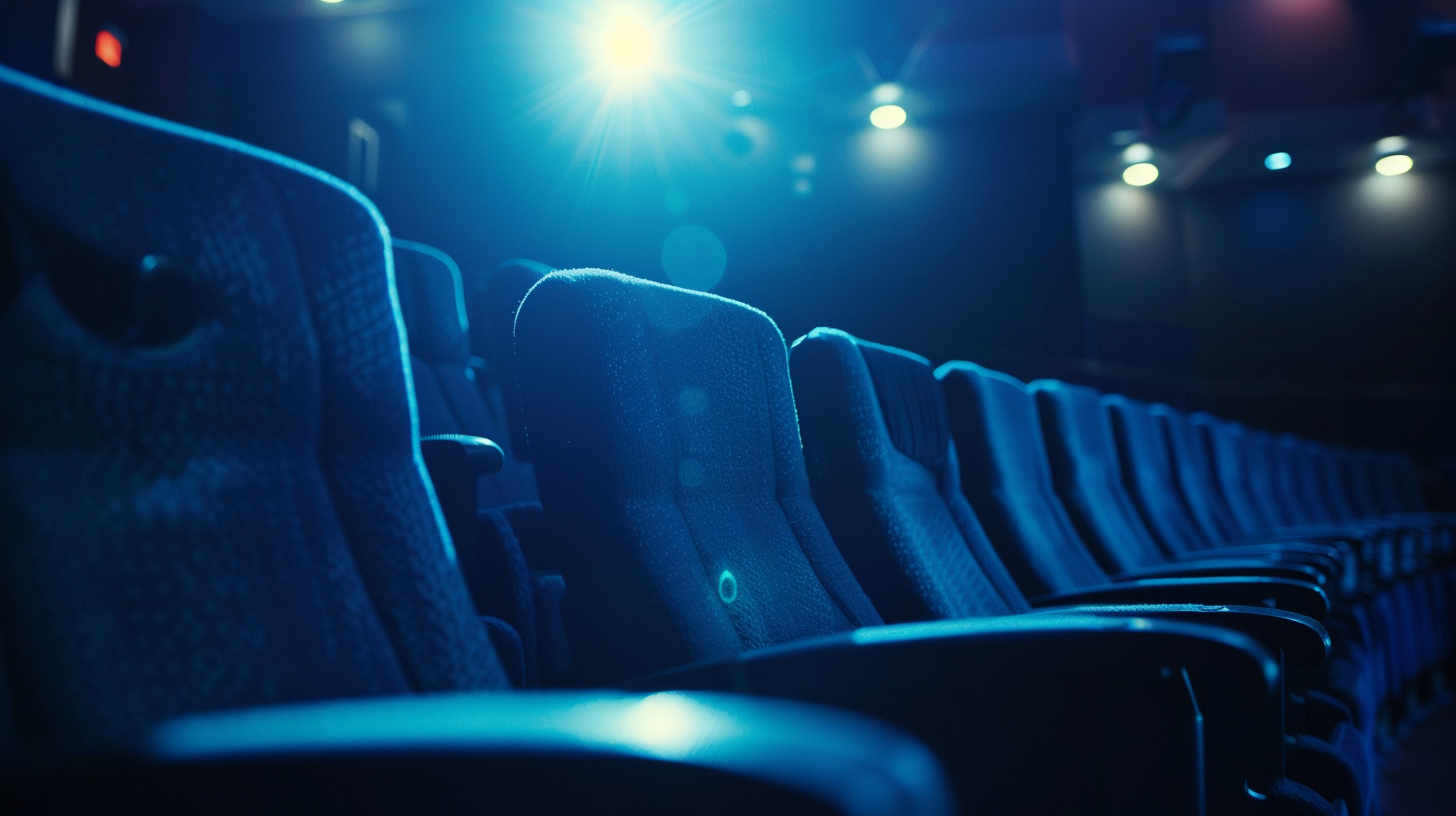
[
  {"x": 1086, "y": 499},
  {"x": 214, "y": 501},
  {"x": 225, "y": 581}
]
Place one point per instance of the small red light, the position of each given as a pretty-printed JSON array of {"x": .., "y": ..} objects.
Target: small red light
[{"x": 108, "y": 48}]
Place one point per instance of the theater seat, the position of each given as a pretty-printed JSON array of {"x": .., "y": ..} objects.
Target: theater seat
[
  {"x": 885, "y": 476},
  {"x": 226, "y": 583},
  {"x": 1006, "y": 475},
  {"x": 663, "y": 431}
]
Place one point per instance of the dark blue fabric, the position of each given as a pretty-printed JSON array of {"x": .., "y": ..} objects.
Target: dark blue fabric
[
  {"x": 667, "y": 452},
  {"x": 1224, "y": 442},
  {"x": 886, "y": 480},
  {"x": 1006, "y": 477},
  {"x": 1193, "y": 476},
  {"x": 1083, "y": 459},
  {"x": 1147, "y": 473},
  {"x": 450, "y": 400},
  {"x": 235, "y": 518}
]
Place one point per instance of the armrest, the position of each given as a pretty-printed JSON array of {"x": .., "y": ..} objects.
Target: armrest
[
  {"x": 1114, "y": 704},
  {"x": 456, "y": 462},
  {"x": 1227, "y": 567},
  {"x": 1276, "y": 593},
  {"x": 1304, "y": 641},
  {"x": 508, "y": 753},
  {"x": 458, "y": 456}
]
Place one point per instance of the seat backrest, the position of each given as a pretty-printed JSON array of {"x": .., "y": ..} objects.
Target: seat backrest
[
  {"x": 1392, "y": 491},
  {"x": 884, "y": 475},
  {"x": 1224, "y": 442},
  {"x": 1315, "y": 463},
  {"x": 1328, "y": 470},
  {"x": 1085, "y": 472},
  {"x": 1005, "y": 475},
  {"x": 1356, "y": 476},
  {"x": 668, "y": 457},
  {"x": 492, "y": 302},
  {"x": 213, "y": 493},
  {"x": 1194, "y": 477},
  {"x": 1147, "y": 472},
  {"x": 1265, "y": 480},
  {"x": 448, "y": 395},
  {"x": 1292, "y": 487}
]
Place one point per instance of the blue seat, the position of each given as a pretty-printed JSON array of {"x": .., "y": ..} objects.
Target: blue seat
[
  {"x": 227, "y": 584},
  {"x": 663, "y": 429},
  {"x": 1006, "y": 474},
  {"x": 884, "y": 473}
]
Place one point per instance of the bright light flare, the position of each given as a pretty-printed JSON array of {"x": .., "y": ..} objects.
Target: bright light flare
[
  {"x": 887, "y": 117},
  {"x": 1278, "y": 161},
  {"x": 1394, "y": 165},
  {"x": 628, "y": 43},
  {"x": 1141, "y": 174}
]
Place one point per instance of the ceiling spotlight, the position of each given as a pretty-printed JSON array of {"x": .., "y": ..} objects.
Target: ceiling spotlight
[
  {"x": 1278, "y": 161},
  {"x": 887, "y": 116},
  {"x": 1141, "y": 174},
  {"x": 1394, "y": 165},
  {"x": 887, "y": 92},
  {"x": 1138, "y": 152},
  {"x": 742, "y": 99},
  {"x": 1391, "y": 144}
]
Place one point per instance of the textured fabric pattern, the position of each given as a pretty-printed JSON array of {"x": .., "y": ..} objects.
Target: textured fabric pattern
[
  {"x": 1083, "y": 459},
  {"x": 237, "y": 518},
  {"x": 898, "y": 517},
  {"x": 668, "y": 457},
  {"x": 1005, "y": 475}
]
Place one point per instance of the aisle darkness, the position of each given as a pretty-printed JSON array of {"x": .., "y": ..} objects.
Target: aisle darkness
[{"x": 855, "y": 407}]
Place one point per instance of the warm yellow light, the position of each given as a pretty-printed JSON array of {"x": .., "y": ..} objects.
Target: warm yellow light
[
  {"x": 1141, "y": 174},
  {"x": 1394, "y": 165},
  {"x": 887, "y": 116},
  {"x": 628, "y": 44}
]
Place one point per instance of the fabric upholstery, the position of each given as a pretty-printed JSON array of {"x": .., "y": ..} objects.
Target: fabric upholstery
[
  {"x": 1147, "y": 473},
  {"x": 668, "y": 457},
  {"x": 228, "y": 515},
  {"x": 885, "y": 478},
  {"x": 1006, "y": 477},
  {"x": 1082, "y": 453},
  {"x": 1193, "y": 476}
]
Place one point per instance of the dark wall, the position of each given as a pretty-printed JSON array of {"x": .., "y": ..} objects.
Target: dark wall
[{"x": 1323, "y": 306}]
